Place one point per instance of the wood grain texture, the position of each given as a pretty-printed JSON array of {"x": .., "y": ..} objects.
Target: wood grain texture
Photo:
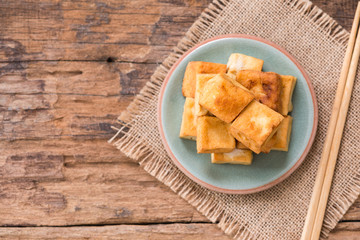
[
  {"x": 190, "y": 231},
  {"x": 67, "y": 70},
  {"x": 140, "y": 31},
  {"x": 43, "y": 192},
  {"x": 194, "y": 231}
]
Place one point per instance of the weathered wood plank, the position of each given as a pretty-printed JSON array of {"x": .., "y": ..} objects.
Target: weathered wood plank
[
  {"x": 61, "y": 99},
  {"x": 142, "y": 31},
  {"x": 194, "y": 231},
  {"x": 39, "y": 190},
  {"x": 74, "y": 78},
  {"x": 353, "y": 214},
  {"x": 65, "y": 30},
  {"x": 346, "y": 231},
  {"x": 73, "y": 150},
  {"x": 191, "y": 231},
  {"x": 342, "y": 11},
  {"x": 55, "y": 123}
]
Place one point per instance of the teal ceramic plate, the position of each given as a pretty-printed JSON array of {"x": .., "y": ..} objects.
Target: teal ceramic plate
[{"x": 267, "y": 169}]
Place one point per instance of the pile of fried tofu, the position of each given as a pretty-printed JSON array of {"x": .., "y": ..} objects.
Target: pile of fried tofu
[{"x": 236, "y": 109}]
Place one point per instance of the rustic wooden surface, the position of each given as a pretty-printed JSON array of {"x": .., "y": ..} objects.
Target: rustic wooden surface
[{"x": 67, "y": 70}]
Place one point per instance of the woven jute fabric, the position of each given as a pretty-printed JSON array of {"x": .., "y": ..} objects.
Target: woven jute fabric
[{"x": 319, "y": 44}]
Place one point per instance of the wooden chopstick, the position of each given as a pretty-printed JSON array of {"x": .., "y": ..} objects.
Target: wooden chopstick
[
  {"x": 317, "y": 196},
  {"x": 337, "y": 140}
]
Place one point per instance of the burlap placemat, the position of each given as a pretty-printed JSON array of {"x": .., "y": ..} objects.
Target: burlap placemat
[{"x": 319, "y": 44}]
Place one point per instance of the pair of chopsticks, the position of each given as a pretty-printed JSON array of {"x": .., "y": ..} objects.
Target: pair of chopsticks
[{"x": 319, "y": 198}]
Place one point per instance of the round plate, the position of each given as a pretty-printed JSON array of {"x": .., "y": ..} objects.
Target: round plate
[{"x": 266, "y": 169}]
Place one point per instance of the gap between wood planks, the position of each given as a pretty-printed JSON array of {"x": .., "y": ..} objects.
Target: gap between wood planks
[
  {"x": 141, "y": 224},
  {"x": 114, "y": 60},
  {"x": 107, "y": 224}
]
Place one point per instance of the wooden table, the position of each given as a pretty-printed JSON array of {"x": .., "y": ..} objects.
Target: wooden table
[{"x": 67, "y": 70}]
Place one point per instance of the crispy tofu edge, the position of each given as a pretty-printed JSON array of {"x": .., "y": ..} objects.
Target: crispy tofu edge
[
  {"x": 199, "y": 110},
  {"x": 248, "y": 161},
  {"x": 286, "y": 107},
  {"x": 285, "y": 148},
  {"x": 182, "y": 133}
]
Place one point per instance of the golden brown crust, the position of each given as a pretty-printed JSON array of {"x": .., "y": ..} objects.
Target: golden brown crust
[
  {"x": 193, "y": 68},
  {"x": 255, "y": 125},
  {"x": 188, "y": 123},
  {"x": 213, "y": 136},
  {"x": 266, "y": 86},
  {"x": 201, "y": 79},
  {"x": 288, "y": 84},
  {"x": 223, "y": 99},
  {"x": 238, "y": 62},
  {"x": 267, "y": 147},
  {"x": 239, "y": 145},
  {"x": 282, "y": 135},
  {"x": 237, "y": 156},
  {"x": 280, "y": 140}
]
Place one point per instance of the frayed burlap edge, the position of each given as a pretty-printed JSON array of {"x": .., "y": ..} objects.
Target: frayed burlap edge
[{"x": 169, "y": 174}]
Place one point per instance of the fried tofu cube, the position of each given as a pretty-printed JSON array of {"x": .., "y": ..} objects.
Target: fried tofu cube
[
  {"x": 280, "y": 140},
  {"x": 188, "y": 124},
  {"x": 237, "y": 156},
  {"x": 201, "y": 79},
  {"x": 193, "y": 68},
  {"x": 213, "y": 136},
  {"x": 238, "y": 62},
  {"x": 224, "y": 97},
  {"x": 288, "y": 85},
  {"x": 266, "y": 86},
  {"x": 282, "y": 135},
  {"x": 255, "y": 125}
]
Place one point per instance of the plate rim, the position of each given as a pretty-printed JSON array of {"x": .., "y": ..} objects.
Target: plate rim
[{"x": 267, "y": 185}]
